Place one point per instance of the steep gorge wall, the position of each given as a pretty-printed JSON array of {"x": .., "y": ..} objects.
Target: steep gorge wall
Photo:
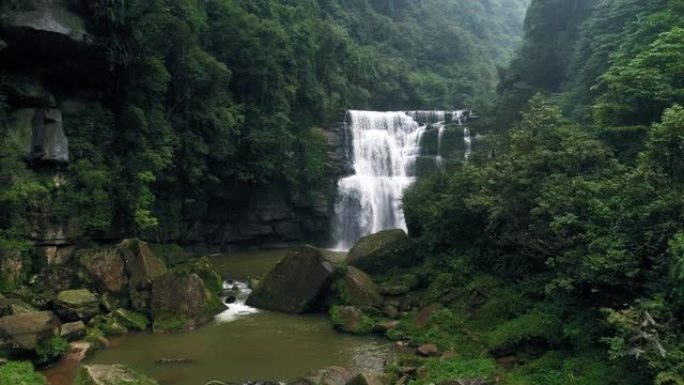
[{"x": 52, "y": 73}]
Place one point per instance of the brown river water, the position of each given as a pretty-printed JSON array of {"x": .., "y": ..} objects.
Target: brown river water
[{"x": 240, "y": 345}]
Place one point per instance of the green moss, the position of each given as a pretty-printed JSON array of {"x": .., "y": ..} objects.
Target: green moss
[
  {"x": 96, "y": 338},
  {"x": 171, "y": 253},
  {"x": 212, "y": 304},
  {"x": 109, "y": 325},
  {"x": 51, "y": 349},
  {"x": 351, "y": 320},
  {"x": 170, "y": 323},
  {"x": 440, "y": 371},
  {"x": 111, "y": 375},
  {"x": 20, "y": 373},
  {"x": 130, "y": 319},
  {"x": 562, "y": 368},
  {"x": 205, "y": 269},
  {"x": 535, "y": 326}
]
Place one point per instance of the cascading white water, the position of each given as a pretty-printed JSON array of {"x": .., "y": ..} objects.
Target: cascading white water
[{"x": 383, "y": 149}]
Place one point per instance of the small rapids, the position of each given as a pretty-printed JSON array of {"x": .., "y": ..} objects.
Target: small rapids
[{"x": 237, "y": 291}]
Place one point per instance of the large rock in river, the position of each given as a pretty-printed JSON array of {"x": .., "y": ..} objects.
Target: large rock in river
[
  {"x": 295, "y": 284},
  {"x": 181, "y": 301},
  {"x": 111, "y": 375},
  {"x": 380, "y": 252},
  {"x": 74, "y": 305},
  {"x": 25, "y": 330},
  {"x": 358, "y": 289}
]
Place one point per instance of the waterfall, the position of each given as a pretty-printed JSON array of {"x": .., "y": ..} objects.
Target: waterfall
[{"x": 383, "y": 148}]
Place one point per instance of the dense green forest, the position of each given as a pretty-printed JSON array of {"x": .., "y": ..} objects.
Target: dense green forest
[
  {"x": 202, "y": 98},
  {"x": 570, "y": 222}
]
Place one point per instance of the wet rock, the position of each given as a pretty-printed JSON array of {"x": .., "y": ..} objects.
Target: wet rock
[
  {"x": 74, "y": 305},
  {"x": 425, "y": 314},
  {"x": 24, "y": 331},
  {"x": 295, "y": 284},
  {"x": 206, "y": 271},
  {"x": 79, "y": 350},
  {"x": 384, "y": 326},
  {"x": 130, "y": 319},
  {"x": 428, "y": 350},
  {"x": 73, "y": 331},
  {"x": 333, "y": 375},
  {"x": 350, "y": 319},
  {"x": 182, "y": 297},
  {"x": 358, "y": 289},
  {"x": 172, "y": 361},
  {"x": 381, "y": 252},
  {"x": 111, "y": 375},
  {"x": 369, "y": 379},
  {"x": 106, "y": 267},
  {"x": 142, "y": 267}
]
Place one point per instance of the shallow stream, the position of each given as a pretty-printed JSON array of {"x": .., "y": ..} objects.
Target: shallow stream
[{"x": 241, "y": 344}]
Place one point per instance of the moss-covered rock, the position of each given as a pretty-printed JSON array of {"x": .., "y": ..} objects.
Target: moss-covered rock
[
  {"x": 106, "y": 267},
  {"x": 142, "y": 267},
  {"x": 24, "y": 331},
  {"x": 205, "y": 269},
  {"x": 73, "y": 331},
  {"x": 20, "y": 373},
  {"x": 74, "y": 305},
  {"x": 295, "y": 284},
  {"x": 358, "y": 289},
  {"x": 182, "y": 295},
  {"x": 350, "y": 319},
  {"x": 130, "y": 319},
  {"x": 381, "y": 252},
  {"x": 111, "y": 375},
  {"x": 108, "y": 325},
  {"x": 333, "y": 375}
]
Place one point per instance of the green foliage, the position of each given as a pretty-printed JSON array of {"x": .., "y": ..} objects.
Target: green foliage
[
  {"x": 49, "y": 350},
  {"x": 20, "y": 373},
  {"x": 170, "y": 323},
  {"x": 533, "y": 327},
  {"x": 483, "y": 369}
]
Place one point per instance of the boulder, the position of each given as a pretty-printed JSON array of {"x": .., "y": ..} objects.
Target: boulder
[
  {"x": 206, "y": 271},
  {"x": 130, "y": 319},
  {"x": 74, "y": 305},
  {"x": 56, "y": 278},
  {"x": 73, "y": 331},
  {"x": 428, "y": 350},
  {"x": 142, "y": 267},
  {"x": 25, "y": 330},
  {"x": 356, "y": 288},
  {"x": 111, "y": 375},
  {"x": 295, "y": 284},
  {"x": 370, "y": 379},
  {"x": 106, "y": 267},
  {"x": 425, "y": 314},
  {"x": 350, "y": 319},
  {"x": 181, "y": 298},
  {"x": 333, "y": 375},
  {"x": 380, "y": 252}
]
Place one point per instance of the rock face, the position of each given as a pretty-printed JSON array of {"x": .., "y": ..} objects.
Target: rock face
[
  {"x": 12, "y": 268},
  {"x": 295, "y": 284},
  {"x": 24, "y": 331},
  {"x": 111, "y": 375},
  {"x": 77, "y": 305},
  {"x": 180, "y": 295},
  {"x": 350, "y": 319},
  {"x": 107, "y": 269},
  {"x": 142, "y": 267},
  {"x": 358, "y": 289},
  {"x": 380, "y": 252}
]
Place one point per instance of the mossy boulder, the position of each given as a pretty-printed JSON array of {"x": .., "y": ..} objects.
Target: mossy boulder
[
  {"x": 73, "y": 331},
  {"x": 24, "y": 331},
  {"x": 74, "y": 305},
  {"x": 106, "y": 267},
  {"x": 358, "y": 289},
  {"x": 295, "y": 284},
  {"x": 333, "y": 375},
  {"x": 143, "y": 267},
  {"x": 205, "y": 269},
  {"x": 130, "y": 319},
  {"x": 381, "y": 252},
  {"x": 180, "y": 295},
  {"x": 111, "y": 375},
  {"x": 350, "y": 319}
]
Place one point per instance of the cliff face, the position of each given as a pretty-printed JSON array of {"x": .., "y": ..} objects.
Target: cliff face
[{"x": 52, "y": 73}]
